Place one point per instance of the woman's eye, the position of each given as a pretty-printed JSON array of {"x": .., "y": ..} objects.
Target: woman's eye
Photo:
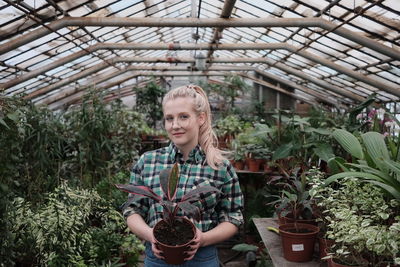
[
  {"x": 184, "y": 117},
  {"x": 168, "y": 119}
]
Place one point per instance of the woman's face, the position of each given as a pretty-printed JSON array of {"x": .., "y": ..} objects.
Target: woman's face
[{"x": 182, "y": 123}]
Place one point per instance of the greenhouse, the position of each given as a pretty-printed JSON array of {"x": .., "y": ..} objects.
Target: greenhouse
[{"x": 245, "y": 133}]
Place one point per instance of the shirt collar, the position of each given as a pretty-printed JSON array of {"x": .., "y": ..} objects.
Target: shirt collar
[{"x": 195, "y": 156}]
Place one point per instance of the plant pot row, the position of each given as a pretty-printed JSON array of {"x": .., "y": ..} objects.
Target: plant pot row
[{"x": 253, "y": 165}]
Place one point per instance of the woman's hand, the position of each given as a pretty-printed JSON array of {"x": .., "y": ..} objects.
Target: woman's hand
[
  {"x": 195, "y": 245},
  {"x": 154, "y": 247}
]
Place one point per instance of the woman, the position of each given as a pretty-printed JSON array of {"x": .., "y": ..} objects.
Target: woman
[{"x": 187, "y": 120}]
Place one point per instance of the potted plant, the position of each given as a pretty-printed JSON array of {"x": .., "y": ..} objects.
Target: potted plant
[
  {"x": 173, "y": 233},
  {"x": 293, "y": 204},
  {"x": 363, "y": 224}
]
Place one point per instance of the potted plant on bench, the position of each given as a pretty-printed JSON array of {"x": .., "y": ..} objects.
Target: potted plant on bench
[
  {"x": 298, "y": 238},
  {"x": 173, "y": 233}
]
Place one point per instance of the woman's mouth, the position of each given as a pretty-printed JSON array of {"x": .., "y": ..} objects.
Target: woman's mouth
[{"x": 177, "y": 134}]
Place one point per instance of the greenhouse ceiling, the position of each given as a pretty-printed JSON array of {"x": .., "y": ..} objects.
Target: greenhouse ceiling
[{"x": 337, "y": 51}]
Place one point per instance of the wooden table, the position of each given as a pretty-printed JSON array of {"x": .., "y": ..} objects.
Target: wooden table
[{"x": 273, "y": 244}]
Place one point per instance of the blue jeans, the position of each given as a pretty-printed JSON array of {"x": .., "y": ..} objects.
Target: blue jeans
[{"x": 205, "y": 257}]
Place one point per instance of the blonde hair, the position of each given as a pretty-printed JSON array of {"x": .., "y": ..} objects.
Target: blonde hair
[{"x": 207, "y": 138}]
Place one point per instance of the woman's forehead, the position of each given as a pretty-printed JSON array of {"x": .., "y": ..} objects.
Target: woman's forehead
[{"x": 179, "y": 104}]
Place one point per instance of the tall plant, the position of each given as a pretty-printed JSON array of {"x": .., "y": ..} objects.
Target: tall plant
[{"x": 372, "y": 161}]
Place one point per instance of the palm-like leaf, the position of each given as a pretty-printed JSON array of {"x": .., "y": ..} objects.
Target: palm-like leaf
[
  {"x": 376, "y": 148},
  {"x": 349, "y": 143}
]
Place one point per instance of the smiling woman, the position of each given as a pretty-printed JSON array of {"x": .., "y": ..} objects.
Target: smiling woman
[{"x": 187, "y": 120}]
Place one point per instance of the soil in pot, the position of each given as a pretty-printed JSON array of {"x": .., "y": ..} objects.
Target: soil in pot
[
  {"x": 174, "y": 242},
  {"x": 180, "y": 234}
]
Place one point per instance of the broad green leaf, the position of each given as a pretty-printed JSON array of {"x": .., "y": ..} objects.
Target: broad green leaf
[
  {"x": 317, "y": 130},
  {"x": 282, "y": 151},
  {"x": 395, "y": 192},
  {"x": 324, "y": 151},
  {"x": 363, "y": 175},
  {"x": 244, "y": 247},
  {"x": 376, "y": 147},
  {"x": 349, "y": 143}
]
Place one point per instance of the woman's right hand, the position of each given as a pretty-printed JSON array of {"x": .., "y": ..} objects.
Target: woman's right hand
[{"x": 155, "y": 248}]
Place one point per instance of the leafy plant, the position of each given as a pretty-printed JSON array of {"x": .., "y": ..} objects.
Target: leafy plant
[
  {"x": 169, "y": 180},
  {"x": 373, "y": 161},
  {"x": 361, "y": 221},
  {"x": 148, "y": 101},
  {"x": 72, "y": 227},
  {"x": 294, "y": 198}
]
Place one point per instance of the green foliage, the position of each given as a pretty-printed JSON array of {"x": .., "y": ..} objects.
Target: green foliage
[
  {"x": 230, "y": 125},
  {"x": 374, "y": 163},
  {"x": 32, "y": 148},
  {"x": 227, "y": 92},
  {"x": 361, "y": 221},
  {"x": 71, "y": 227},
  {"x": 149, "y": 101}
]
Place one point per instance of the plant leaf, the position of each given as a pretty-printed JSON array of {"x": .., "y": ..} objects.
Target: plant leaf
[
  {"x": 164, "y": 176},
  {"x": 190, "y": 209},
  {"x": 349, "y": 143},
  {"x": 173, "y": 181},
  {"x": 282, "y": 151},
  {"x": 376, "y": 147},
  {"x": 244, "y": 247},
  {"x": 195, "y": 193},
  {"x": 139, "y": 190},
  {"x": 324, "y": 151}
]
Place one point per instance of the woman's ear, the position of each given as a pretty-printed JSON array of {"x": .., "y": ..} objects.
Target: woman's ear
[{"x": 202, "y": 118}]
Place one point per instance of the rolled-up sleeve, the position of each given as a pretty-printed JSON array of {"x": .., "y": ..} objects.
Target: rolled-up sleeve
[
  {"x": 231, "y": 205},
  {"x": 139, "y": 205}
]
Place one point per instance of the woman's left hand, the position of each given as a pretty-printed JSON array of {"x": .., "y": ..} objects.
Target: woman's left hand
[{"x": 195, "y": 245}]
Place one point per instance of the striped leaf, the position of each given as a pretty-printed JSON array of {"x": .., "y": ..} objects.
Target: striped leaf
[{"x": 349, "y": 143}]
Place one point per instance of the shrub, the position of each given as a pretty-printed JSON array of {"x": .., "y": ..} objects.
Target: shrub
[{"x": 73, "y": 226}]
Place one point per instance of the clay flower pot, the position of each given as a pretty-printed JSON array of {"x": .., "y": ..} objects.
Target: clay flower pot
[
  {"x": 253, "y": 165},
  {"x": 239, "y": 165},
  {"x": 173, "y": 253},
  {"x": 298, "y": 246}
]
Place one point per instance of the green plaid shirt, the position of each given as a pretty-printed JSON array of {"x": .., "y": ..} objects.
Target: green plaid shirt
[{"x": 195, "y": 172}]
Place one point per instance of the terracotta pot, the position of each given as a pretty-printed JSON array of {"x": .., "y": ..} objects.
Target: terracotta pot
[
  {"x": 333, "y": 262},
  {"x": 238, "y": 165},
  {"x": 324, "y": 245},
  {"x": 298, "y": 247},
  {"x": 253, "y": 165},
  {"x": 267, "y": 169},
  {"x": 174, "y": 254}
]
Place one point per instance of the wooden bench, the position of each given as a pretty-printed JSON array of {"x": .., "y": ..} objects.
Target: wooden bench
[{"x": 273, "y": 244}]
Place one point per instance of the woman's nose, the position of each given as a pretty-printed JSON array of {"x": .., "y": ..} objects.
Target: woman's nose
[{"x": 175, "y": 124}]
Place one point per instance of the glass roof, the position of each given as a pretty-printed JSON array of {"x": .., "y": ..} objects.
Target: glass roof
[{"x": 337, "y": 50}]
